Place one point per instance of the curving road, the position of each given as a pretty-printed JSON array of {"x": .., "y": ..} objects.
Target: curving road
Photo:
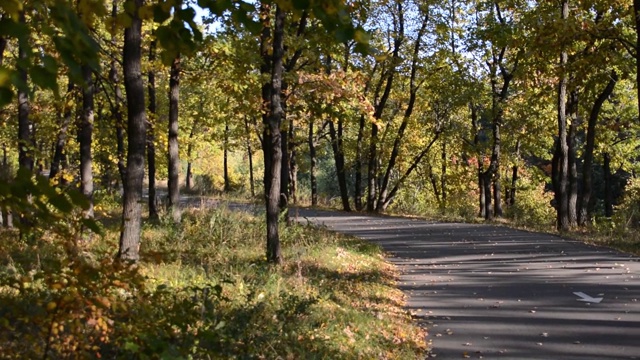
[{"x": 492, "y": 292}]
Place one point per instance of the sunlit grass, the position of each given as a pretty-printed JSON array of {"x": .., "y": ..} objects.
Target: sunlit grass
[{"x": 203, "y": 289}]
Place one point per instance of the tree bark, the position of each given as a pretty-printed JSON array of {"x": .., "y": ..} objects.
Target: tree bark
[
  {"x": 443, "y": 176},
  {"x": 173, "y": 152},
  {"x": 608, "y": 197},
  {"x": 514, "y": 176},
  {"x": 572, "y": 159},
  {"x": 250, "y": 156},
  {"x": 26, "y": 143},
  {"x": 584, "y": 214},
  {"x": 338, "y": 155},
  {"x": 225, "y": 160},
  {"x": 151, "y": 145},
  {"x": 398, "y": 40},
  {"x": 118, "y": 101},
  {"x": 563, "y": 222},
  {"x": 189, "y": 175},
  {"x": 7, "y": 216},
  {"x": 312, "y": 165},
  {"x": 293, "y": 165},
  {"x": 61, "y": 138},
  {"x": 85, "y": 135},
  {"x": 413, "y": 89},
  {"x": 273, "y": 140},
  {"x": 636, "y": 12},
  {"x": 358, "y": 191},
  {"x": 136, "y": 129}
]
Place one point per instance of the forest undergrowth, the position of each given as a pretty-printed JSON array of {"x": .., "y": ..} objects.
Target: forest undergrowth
[{"x": 202, "y": 290}]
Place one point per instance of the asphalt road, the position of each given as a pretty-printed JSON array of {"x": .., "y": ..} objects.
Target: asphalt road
[{"x": 492, "y": 292}]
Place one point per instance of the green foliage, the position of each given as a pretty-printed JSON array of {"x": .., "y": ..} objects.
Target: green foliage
[{"x": 203, "y": 289}]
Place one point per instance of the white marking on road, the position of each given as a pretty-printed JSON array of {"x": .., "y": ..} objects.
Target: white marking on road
[{"x": 586, "y": 298}]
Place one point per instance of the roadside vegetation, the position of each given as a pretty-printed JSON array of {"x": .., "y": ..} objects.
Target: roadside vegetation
[{"x": 201, "y": 290}]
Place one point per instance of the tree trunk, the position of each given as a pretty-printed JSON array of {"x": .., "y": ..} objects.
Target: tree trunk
[
  {"x": 562, "y": 196},
  {"x": 136, "y": 130},
  {"x": 151, "y": 146},
  {"x": 189, "y": 176},
  {"x": 293, "y": 165},
  {"x": 118, "y": 100},
  {"x": 358, "y": 193},
  {"x": 173, "y": 154},
  {"x": 636, "y": 12},
  {"x": 338, "y": 155},
  {"x": 284, "y": 167},
  {"x": 225, "y": 156},
  {"x": 7, "y": 216},
  {"x": 85, "y": 134},
  {"x": 434, "y": 184},
  {"x": 61, "y": 138},
  {"x": 413, "y": 89},
  {"x": 313, "y": 163},
  {"x": 514, "y": 176},
  {"x": 584, "y": 214},
  {"x": 443, "y": 176},
  {"x": 572, "y": 159},
  {"x": 482, "y": 198},
  {"x": 273, "y": 139},
  {"x": 250, "y": 155},
  {"x": 608, "y": 201},
  {"x": 487, "y": 182},
  {"x": 26, "y": 143}
]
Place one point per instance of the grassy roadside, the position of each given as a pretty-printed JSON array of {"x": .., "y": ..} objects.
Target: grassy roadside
[{"x": 203, "y": 290}]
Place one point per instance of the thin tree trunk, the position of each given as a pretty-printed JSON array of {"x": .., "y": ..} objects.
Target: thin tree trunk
[
  {"x": 265, "y": 70},
  {"x": 61, "y": 138},
  {"x": 118, "y": 101},
  {"x": 636, "y": 13},
  {"x": 313, "y": 163},
  {"x": 413, "y": 89},
  {"x": 293, "y": 165},
  {"x": 26, "y": 143},
  {"x": 608, "y": 201},
  {"x": 482, "y": 198},
  {"x": 85, "y": 134},
  {"x": 443, "y": 176},
  {"x": 273, "y": 140},
  {"x": 487, "y": 181},
  {"x": 584, "y": 212},
  {"x": 373, "y": 142},
  {"x": 572, "y": 159},
  {"x": 434, "y": 184},
  {"x": 563, "y": 222},
  {"x": 173, "y": 153},
  {"x": 151, "y": 145},
  {"x": 514, "y": 176},
  {"x": 358, "y": 193},
  {"x": 338, "y": 155},
  {"x": 7, "y": 216},
  {"x": 225, "y": 161},
  {"x": 413, "y": 165},
  {"x": 250, "y": 155},
  {"x": 189, "y": 175},
  {"x": 136, "y": 129}
]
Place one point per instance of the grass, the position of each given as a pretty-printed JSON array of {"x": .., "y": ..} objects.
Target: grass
[{"x": 203, "y": 290}]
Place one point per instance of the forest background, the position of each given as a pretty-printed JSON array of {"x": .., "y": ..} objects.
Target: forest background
[{"x": 476, "y": 110}]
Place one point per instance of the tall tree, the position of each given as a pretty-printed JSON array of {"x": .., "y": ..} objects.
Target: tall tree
[
  {"x": 173, "y": 151},
  {"x": 85, "y": 137},
  {"x": 26, "y": 142},
  {"x": 272, "y": 138},
  {"x": 136, "y": 129},
  {"x": 562, "y": 148},
  {"x": 151, "y": 146}
]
